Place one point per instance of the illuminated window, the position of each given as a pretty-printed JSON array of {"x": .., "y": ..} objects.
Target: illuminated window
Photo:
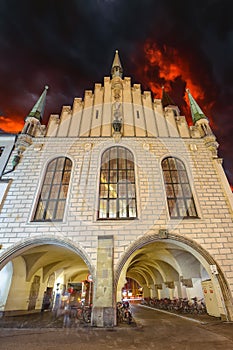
[
  {"x": 117, "y": 195},
  {"x": 179, "y": 195},
  {"x": 52, "y": 200}
]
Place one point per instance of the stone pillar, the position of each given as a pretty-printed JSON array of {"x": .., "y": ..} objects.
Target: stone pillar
[{"x": 103, "y": 314}]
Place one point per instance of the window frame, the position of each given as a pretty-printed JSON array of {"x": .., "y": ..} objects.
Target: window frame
[
  {"x": 118, "y": 187},
  {"x": 56, "y": 196},
  {"x": 179, "y": 185}
]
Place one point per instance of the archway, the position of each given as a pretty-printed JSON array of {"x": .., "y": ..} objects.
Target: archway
[
  {"x": 174, "y": 266},
  {"x": 44, "y": 269}
]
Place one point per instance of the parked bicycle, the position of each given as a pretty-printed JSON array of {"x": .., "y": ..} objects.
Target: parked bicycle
[
  {"x": 181, "y": 305},
  {"x": 123, "y": 312},
  {"x": 84, "y": 313}
]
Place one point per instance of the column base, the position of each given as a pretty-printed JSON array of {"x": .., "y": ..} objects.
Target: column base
[{"x": 103, "y": 317}]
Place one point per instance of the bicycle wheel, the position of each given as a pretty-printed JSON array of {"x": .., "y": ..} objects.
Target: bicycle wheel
[
  {"x": 86, "y": 316},
  {"x": 79, "y": 314}
]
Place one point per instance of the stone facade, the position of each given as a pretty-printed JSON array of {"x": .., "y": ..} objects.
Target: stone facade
[{"x": 183, "y": 247}]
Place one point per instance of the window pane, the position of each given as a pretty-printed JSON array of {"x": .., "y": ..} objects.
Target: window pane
[
  {"x": 68, "y": 165},
  {"x": 174, "y": 176},
  {"x": 112, "y": 190},
  {"x": 169, "y": 190},
  {"x": 179, "y": 165},
  {"x": 66, "y": 177},
  {"x": 131, "y": 191},
  {"x": 49, "y": 178},
  {"x": 167, "y": 177},
  {"x": 63, "y": 191},
  {"x": 50, "y": 210},
  {"x": 113, "y": 176},
  {"x": 132, "y": 208},
  {"x": 103, "y": 209},
  {"x": 122, "y": 208},
  {"x": 104, "y": 176},
  {"x": 165, "y": 164},
  {"x": 60, "y": 164},
  {"x": 105, "y": 159},
  {"x": 45, "y": 192},
  {"x": 130, "y": 164},
  {"x": 57, "y": 177},
  {"x": 130, "y": 176},
  {"x": 40, "y": 211},
  {"x": 122, "y": 163},
  {"x": 52, "y": 165},
  {"x": 172, "y": 163},
  {"x": 181, "y": 207},
  {"x": 186, "y": 190},
  {"x": 122, "y": 175},
  {"x": 191, "y": 207},
  {"x": 104, "y": 191},
  {"x": 122, "y": 190},
  {"x": 112, "y": 209},
  {"x": 60, "y": 210},
  {"x": 54, "y": 191},
  {"x": 113, "y": 153},
  {"x": 172, "y": 207},
  {"x": 178, "y": 190},
  {"x": 113, "y": 163},
  {"x": 183, "y": 176}
]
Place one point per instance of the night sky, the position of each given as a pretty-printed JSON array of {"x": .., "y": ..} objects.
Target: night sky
[{"x": 69, "y": 45}]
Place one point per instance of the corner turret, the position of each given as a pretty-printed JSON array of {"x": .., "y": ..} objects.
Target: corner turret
[{"x": 201, "y": 122}]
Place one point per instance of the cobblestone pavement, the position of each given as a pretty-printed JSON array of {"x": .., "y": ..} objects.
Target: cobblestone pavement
[{"x": 152, "y": 330}]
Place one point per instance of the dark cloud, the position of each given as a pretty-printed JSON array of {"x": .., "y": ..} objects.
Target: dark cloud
[{"x": 69, "y": 45}]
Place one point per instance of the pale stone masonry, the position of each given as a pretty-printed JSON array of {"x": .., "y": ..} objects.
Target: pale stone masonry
[{"x": 157, "y": 251}]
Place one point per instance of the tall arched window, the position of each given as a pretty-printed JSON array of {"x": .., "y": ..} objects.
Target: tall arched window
[
  {"x": 52, "y": 200},
  {"x": 117, "y": 195},
  {"x": 179, "y": 195}
]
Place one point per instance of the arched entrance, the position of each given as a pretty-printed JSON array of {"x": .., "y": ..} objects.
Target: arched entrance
[
  {"x": 168, "y": 266},
  {"x": 40, "y": 272}
]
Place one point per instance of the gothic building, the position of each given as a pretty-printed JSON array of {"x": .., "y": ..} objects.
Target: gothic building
[{"x": 117, "y": 188}]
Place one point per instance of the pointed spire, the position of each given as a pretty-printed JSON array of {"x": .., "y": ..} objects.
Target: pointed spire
[
  {"x": 117, "y": 69},
  {"x": 38, "y": 109},
  {"x": 166, "y": 99},
  {"x": 196, "y": 111}
]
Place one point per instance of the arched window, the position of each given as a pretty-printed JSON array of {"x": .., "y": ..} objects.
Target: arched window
[
  {"x": 117, "y": 195},
  {"x": 52, "y": 200},
  {"x": 179, "y": 195}
]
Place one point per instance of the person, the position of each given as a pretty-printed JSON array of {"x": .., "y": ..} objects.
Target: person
[{"x": 66, "y": 319}]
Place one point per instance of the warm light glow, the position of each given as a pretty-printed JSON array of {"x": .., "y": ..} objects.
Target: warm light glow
[
  {"x": 169, "y": 65},
  {"x": 12, "y": 125}
]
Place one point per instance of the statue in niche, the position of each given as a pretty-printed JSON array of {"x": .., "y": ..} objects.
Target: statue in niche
[{"x": 117, "y": 120}]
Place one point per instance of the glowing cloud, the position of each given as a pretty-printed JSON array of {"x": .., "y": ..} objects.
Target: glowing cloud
[
  {"x": 168, "y": 66},
  {"x": 12, "y": 125}
]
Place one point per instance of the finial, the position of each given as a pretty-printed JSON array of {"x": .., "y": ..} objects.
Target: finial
[
  {"x": 46, "y": 87},
  {"x": 117, "y": 69}
]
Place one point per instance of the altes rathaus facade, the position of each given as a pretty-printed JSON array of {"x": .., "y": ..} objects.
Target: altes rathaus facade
[{"x": 116, "y": 197}]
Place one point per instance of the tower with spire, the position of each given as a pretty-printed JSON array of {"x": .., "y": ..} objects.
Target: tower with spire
[
  {"x": 201, "y": 122},
  {"x": 33, "y": 120},
  {"x": 33, "y": 125}
]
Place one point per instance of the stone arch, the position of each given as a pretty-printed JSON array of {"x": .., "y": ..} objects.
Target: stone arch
[
  {"x": 195, "y": 249},
  {"x": 23, "y": 245}
]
